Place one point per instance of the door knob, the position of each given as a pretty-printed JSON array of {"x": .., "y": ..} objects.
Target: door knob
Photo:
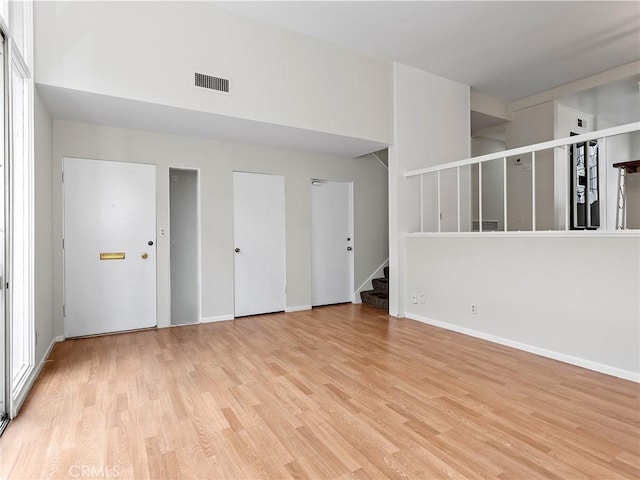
[
  {"x": 237, "y": 250},
  {"x": 349, "y": 249},
  {"x": 144, "y": 256}
]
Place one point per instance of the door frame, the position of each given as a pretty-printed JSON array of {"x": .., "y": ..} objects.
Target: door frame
[
  {"x": 351, "y": 210},
  {"x": 198, "y": 235},
  {"x": 284, "y": 228},
  {"x": 5, "y": 328}
]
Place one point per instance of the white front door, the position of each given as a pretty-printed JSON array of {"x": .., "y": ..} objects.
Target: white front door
[
  {"x": 109, "y": 246},
  {"x": 331, "y": 242},
  {"x": 259, "y": 236}
]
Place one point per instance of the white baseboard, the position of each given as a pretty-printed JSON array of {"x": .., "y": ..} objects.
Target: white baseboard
[
  {"x": 580, "y": 362},
  {"x": 378, "y": 273},
  {"x": 60, "y": 338},
  {"x": 219, "y": 318},
  {"x": 298, "y": 308},
  {"x": 16, "y": 405}
]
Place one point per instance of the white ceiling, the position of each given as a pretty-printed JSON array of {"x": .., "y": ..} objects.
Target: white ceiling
[
  {"x": 505, "y": 49},
  {"x": 617, "y": 102},
  {"x": 509, "y": 50}
]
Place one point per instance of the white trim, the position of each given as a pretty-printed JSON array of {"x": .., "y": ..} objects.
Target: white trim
[
  {"x": 367, "y": 282},
  {"x": 297, "y": 308},
  {"x": 352, "y": 257},
  {"x": 17, "y": 401},
  {"x": 580, "y": 362},
  {"x": 60, "y": 338},
  {"x": 524, "y": 234},
  {"x": 219, "y": 318}
]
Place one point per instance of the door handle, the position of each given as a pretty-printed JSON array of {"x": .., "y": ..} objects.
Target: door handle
[
  {"x": 237, "y": 250},
  {"x": 349, "y": 249},
  {"x": 144, "y": 256}
]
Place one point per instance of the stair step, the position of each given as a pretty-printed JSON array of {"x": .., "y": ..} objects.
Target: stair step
[
  {"x": 381, "y": 285},
  {"x": 386, "y": 272},
  {"x": 375, "y": 299}
]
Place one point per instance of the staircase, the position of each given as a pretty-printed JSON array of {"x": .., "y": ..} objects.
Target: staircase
[{"x": 379, "y": 296}]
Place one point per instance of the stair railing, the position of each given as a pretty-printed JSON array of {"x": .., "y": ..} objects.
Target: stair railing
[{"x": 601, "y": 136}]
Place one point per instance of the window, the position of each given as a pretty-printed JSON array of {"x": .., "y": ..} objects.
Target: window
[
  {"x": 21, "y": 290},
  {"x": 16, "y": 221}
]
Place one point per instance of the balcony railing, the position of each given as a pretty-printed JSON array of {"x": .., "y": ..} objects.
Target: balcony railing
[{"x": 566, "y": 186}]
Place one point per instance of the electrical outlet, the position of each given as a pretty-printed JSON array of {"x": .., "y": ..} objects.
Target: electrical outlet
[
  {"x": 414, "y": 298},
  {"x": 423, "y": 298},
  {"x": 163, "y": 232},
  {"x": 474, "y": 308},
  {"x": 519, "y": 217}
]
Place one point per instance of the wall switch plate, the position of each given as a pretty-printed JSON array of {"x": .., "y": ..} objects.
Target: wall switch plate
[{"x": 423, "y": 298}]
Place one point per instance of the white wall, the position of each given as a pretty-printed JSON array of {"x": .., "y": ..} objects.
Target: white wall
[
  {"x": 492, "y": 182},
  {"x": 216, "y": 161},
  {"x": 620, "y": 148},
  {"x": 633, "y": 200},
  {"x": 43, "y": 229},
  {"x": 149, "y": 51},
  {"x": 531, "y": 125},
  {"x": 574, "y": 298},
  {"x": 431, "y": 121}
]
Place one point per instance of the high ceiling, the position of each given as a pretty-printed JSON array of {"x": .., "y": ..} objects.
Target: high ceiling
[{"x": 508, "y": 50}]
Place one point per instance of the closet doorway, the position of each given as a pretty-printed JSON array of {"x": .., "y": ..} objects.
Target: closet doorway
[{"x": 184, "y": 236}]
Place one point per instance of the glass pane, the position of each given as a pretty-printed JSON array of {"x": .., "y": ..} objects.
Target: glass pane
[
  {"x": 16, "y": 24},
  {"x": 4, "y": 10},
  {"x": 3, "y": 365},
  {"x": 20, "y": 340}
]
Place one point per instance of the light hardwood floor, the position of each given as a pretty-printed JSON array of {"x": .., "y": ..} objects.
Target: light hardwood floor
[{"x": 338, "y": 392}]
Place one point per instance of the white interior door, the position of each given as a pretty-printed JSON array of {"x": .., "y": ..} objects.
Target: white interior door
[
  {"x": 259, "y": 236},
  {"x": 109, "y": 246},
  {"x": 331, "y": 242}
]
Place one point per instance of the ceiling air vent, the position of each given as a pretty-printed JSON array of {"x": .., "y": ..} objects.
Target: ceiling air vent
[{"x": 212, "y": 83}]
